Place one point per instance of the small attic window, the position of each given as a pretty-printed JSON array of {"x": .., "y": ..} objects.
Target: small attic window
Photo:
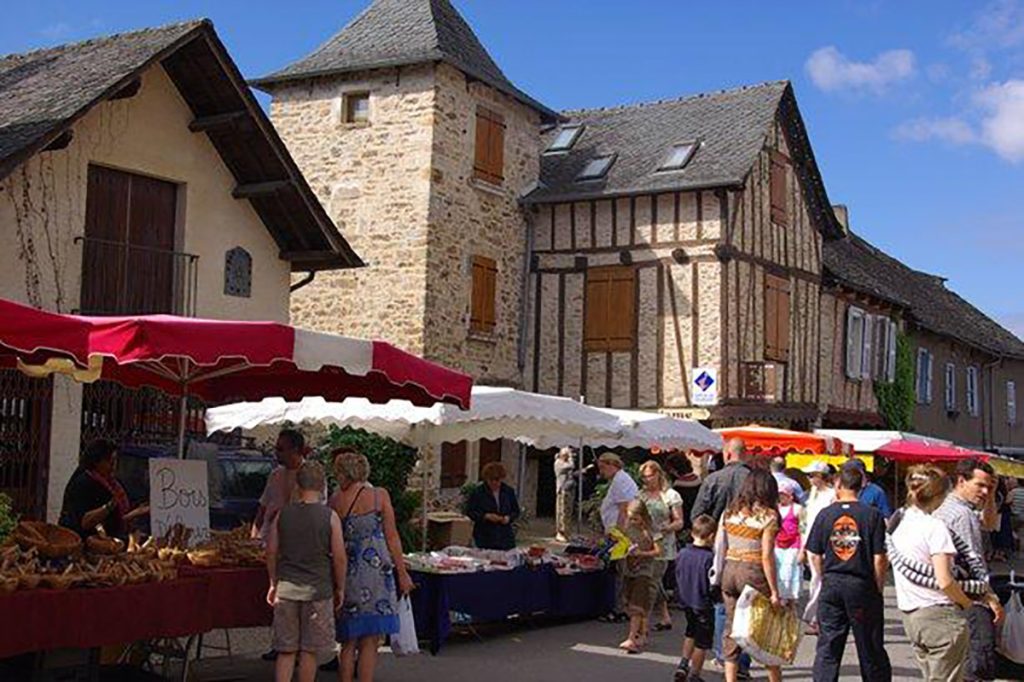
[
  {"x": 679, "y": 156},
  {"x": 565, "y": 139},
  {"x": 356, "y": 107},
  {"x": 596, "y": 168}
]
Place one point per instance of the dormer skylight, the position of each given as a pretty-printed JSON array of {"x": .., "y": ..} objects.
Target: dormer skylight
[
  {"x": 678, "y": 156},
  {"x": 596, "y": 168},
  {"x": 565, "y": 138}
]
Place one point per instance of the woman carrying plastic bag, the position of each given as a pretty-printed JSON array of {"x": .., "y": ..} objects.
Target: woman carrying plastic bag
[
  {"x": 1011, "y": 642},
  {"x": 405, "y": 643}
]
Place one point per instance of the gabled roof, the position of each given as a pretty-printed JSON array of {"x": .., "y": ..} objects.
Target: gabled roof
[
  {"x": 43, "y": 93},
  {"x": 855, "y": 263},
  {"x": 730, "y": 125},
  {"x": 402, "y": 32}
]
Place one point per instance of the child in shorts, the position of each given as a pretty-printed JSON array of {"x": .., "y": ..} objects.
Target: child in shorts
[
  {"x": 307, "y": 566},
  {"x": 693, "y": 591},
  {"x": 639, "y": 588}
]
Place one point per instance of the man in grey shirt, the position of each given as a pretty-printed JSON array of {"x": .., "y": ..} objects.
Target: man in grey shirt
[
  {"x": 718, "y": 489},
  {"x": 961, "y": 513}
]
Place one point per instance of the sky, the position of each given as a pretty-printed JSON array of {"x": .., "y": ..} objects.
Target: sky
[{"x": 915, "y": 108}]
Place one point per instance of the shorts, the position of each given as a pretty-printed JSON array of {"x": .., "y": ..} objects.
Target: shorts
[
  {"x": 700, "y": 627},
  {"x": 303, "y": 626},
  {"x": 639, "y": 594}
]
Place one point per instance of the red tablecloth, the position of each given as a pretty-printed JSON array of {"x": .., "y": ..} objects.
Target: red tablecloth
[
  {"x": 238, "y": 596},
  {"x": 39, "y": 620}
]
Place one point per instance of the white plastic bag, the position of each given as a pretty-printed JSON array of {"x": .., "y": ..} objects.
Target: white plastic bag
[
  {"x": 770, "y": 636},
  {"x": 405, "y": 643},
  {"x": 1011, "y": 642},
  {"x": 721, "y": 548}
]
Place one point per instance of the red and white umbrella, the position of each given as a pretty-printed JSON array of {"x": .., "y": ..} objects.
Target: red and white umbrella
[{"x": 220, "y": 360}]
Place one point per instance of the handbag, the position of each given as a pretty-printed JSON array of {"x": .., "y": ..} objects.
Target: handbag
[
  {"x": 770, "y": 636},
  {"x": 405, "y": 643},
  {"x": 1011, "y": 642}
]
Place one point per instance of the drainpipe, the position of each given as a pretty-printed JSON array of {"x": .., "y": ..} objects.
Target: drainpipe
[
  {"x": 989, "y": 438},
  {"x": 524, "y": 295},
  {"x": 308, "y": 279}
]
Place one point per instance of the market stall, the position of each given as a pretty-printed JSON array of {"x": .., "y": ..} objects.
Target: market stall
[{"x": 769, "y": 441}]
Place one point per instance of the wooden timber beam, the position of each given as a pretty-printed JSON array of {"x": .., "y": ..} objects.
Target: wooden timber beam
[
  {"x": 129, "y": 90},
  {"x": 259, "y": 189},
  {"x": 203, "y": 123}
]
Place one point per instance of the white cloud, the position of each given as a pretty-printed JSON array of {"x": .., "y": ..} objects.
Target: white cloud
[
  {"x": 831, "y": 70},
  {"x": 1002, "y": 124},
  {"x": 999, "y": 25},
  {"x": 57, "y": 31},
  {"x": 953, "y": 130}
]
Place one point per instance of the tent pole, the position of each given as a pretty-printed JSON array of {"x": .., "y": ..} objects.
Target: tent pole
[
  {"x": 425, "y": 479},
  {"x": 579, "y": 492},
  {"x": 182, "y": 407}
]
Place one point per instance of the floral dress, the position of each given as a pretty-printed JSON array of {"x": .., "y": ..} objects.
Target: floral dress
[{"x": 370, "y": 607}]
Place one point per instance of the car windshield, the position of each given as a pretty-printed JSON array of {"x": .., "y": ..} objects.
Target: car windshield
[{"x": 245, "y": 478}]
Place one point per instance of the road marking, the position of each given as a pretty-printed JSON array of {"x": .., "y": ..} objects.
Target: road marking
[{"x": 619, "y": 653}]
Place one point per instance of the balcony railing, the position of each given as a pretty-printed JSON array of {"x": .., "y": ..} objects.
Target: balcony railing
[{"x": 126, "y": 279}]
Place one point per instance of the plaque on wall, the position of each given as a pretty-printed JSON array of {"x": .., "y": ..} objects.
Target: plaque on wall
[{"x": 238, "y": 273}]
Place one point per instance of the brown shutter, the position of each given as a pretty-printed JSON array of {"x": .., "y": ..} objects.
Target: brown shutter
[
  {"x": 610, "y": 319},
  {"x": 489, "y": 156},
  {"x": 453, "y": 464},
  {"x": 776, "y": 318},
  {"x": 779, "y": 191},
  {"x": 596, "y": 319},
  {"x": 484, "y": 293},
  {"x": 490, "y": 451}
]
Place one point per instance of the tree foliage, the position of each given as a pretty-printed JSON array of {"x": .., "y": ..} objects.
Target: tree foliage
[{"x": 896, "y": 398}]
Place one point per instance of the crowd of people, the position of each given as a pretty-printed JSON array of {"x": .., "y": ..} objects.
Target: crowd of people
[{"x": 827, "y": 546}]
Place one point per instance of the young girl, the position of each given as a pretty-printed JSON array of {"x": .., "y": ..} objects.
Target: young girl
[
  {"x": 639, "y": 588},
  {"x": 787, "y": 546}
]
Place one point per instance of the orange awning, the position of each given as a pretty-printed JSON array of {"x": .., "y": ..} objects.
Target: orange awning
[{"x": 765, "y": 440}]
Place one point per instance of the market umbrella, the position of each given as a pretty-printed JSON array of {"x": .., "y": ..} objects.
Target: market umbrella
[
  {"x": 765, "y": 440},
  {"x": 648, "y": 430},
  {"x": 916, "y": 452},
  {"x": 496, "y": 413},
  {"x": 219, "y": 360}
]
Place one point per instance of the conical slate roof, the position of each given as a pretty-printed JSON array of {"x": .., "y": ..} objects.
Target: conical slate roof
[{"x": 402, "y": 32}]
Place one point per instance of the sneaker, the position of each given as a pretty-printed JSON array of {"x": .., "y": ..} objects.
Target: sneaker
[{"x": 682, "y": 673}]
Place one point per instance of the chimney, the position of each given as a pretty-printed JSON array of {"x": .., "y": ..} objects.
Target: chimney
[{"x": 843, "y": 216}]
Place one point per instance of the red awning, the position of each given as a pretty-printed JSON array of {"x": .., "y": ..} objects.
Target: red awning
[
  {"x": 765, "y": 440},
  {"x": 221, "y": 360},
  {"x": 917, "y": 451}
]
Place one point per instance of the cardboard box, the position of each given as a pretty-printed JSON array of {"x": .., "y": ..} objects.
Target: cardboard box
[{"x": 447, "y": 529}]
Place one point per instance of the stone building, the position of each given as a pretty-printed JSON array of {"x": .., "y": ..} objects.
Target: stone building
[{"x": 137, "y": 175}]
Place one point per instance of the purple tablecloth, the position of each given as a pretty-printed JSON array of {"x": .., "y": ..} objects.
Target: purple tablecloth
[{"x": 496, "y": 595}]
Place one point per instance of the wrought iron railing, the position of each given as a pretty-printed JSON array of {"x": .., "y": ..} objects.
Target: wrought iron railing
[{"x": 126, "y": 279}]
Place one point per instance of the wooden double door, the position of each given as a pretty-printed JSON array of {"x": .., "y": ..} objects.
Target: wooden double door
[{"x": 129, "y": 264}]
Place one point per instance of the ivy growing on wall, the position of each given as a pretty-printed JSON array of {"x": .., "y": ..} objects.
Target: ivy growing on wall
[{"x": 896, "y": 398}]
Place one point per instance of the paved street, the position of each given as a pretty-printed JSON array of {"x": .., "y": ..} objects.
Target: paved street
[{"x": 558, "y": 652}]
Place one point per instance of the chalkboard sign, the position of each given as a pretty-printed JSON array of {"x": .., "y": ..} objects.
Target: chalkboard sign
[{"x": 179, "y": 492}]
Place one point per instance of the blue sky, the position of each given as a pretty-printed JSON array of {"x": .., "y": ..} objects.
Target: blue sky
[{"x": 915, "y": 108}]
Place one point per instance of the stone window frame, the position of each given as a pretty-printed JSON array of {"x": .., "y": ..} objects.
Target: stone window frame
[{"x": 343, "y": 106}]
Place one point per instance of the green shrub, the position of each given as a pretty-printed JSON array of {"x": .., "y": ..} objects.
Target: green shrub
[
  {"x": 896, "y": 398},
  {"x": 391, "y": 463},
  {"x": 8, "y": 518}
]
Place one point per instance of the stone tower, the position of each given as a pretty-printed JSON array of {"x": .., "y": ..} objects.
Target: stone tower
[{"x": 420, "y": 148}]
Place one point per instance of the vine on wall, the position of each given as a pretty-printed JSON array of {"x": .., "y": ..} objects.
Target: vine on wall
[{"x": 896, "y": 398}]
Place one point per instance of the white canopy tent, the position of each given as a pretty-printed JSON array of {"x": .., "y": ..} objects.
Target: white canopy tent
[{"x": 866, "y": 441}]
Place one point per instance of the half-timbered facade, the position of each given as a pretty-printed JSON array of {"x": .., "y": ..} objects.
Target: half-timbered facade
[{"x": 677, "y": 238}]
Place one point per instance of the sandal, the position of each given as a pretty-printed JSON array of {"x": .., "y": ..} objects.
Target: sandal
[{"x": 662, "y": 627}]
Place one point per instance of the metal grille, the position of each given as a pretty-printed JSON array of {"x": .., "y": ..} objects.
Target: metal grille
[
  {"x": 25, "y": 407},
  {"x": 138, "y": 417}
]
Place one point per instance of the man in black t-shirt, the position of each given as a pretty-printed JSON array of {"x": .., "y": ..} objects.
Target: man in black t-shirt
[{"x": 847, "y": 546}]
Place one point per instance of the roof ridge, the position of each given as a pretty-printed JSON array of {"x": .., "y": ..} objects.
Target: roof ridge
[
  {"x": 675, "y": 100},
  {"x": 193, "y": 23}
]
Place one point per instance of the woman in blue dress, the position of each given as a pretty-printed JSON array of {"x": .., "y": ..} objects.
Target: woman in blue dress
[{"x": 369, "y": 609}]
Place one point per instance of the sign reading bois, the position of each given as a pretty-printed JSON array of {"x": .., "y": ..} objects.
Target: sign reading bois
[{"x": 179, "y": 493}]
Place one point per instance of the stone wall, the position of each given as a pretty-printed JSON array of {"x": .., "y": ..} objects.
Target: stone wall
[
  {"x": 470, "y": 218},
  {"x": 374, "y": 180}
]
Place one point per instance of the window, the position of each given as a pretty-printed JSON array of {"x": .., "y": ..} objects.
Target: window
[
  {"x": 924, "y": 377},
  {"x": 489, "y": 162},
  {"x": 779, "y": 188},
  {"x": 890, "y": 353},
  {"x": 776, "y": 318},
  {"x": 453, "y": 464},
  {"x": 565, "y": 138},
  {"x": 610, "y": 315},
  {"x": 870, "y": 346},
  {"x": 356, "y": 107},
  {"x": 596, "y": 168},
  {"x": 484, "y": 294},
  {"x": 972, "y": 391},
  {"x": 679, "y": 156},
  {"x": 1011, "y": 402},
  {"x": 950, "y": 387},
  {"x": 854, "y": 342}
]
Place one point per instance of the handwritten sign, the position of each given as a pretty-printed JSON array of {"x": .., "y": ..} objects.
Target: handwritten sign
[{"x": 179, "y": 493}]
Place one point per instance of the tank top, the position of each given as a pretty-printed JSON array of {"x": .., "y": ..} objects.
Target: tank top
[
  {"x": 304, "y": 552},
  {"x": 789, "y": 531}
]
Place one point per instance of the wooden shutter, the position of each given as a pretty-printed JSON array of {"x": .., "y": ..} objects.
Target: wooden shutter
[
  {"x": 490, "y": 451},
  {"x": 776, "y": 318},
  {"x": 453, "y": 464},
  {"x": 489, "y": 154},
  {"x": 482, "y": 316},
  {"x": 890, "y": 364},
  {"x": 610, "y": 316},
  {"x": 1011, "y": 402},
  {"x": 854, "y": 338},
  {"x": 929, "y": 361},
  {"x": 779, "y": 189}
]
